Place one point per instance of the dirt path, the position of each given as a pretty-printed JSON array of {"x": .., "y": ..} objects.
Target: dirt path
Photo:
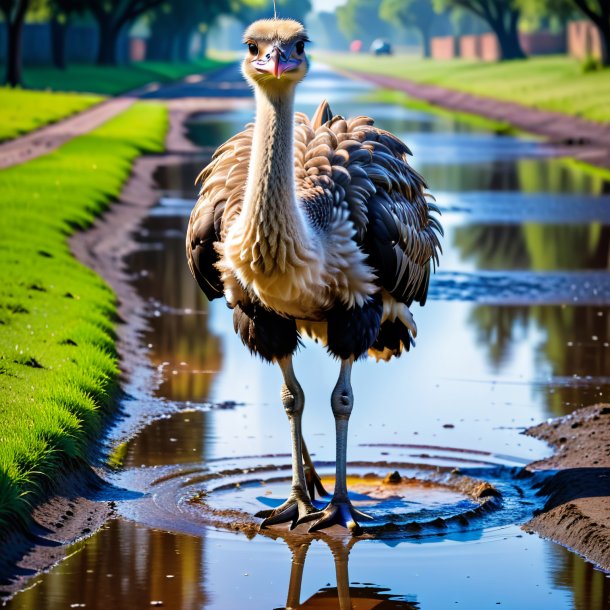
[
  {"x": 584, "y": 140},
  {"x": 48, "y": 138},
  {"x": 214, "y": 85}
]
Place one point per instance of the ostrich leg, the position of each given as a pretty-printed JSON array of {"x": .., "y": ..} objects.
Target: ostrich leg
[
  {"x": 340, "y": 510},
  {"x": 299, "y": 552},
  {"x": 298, "y": 504}
]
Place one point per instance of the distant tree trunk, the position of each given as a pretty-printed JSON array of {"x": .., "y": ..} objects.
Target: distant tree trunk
[
  {"x": 109, "y": 36},
  {"x": 605, "y": 38},
  {"x": 58, "y": 42},
  {"x": 158, "y": 47},
  {"x": 203, "y": 45},
  {"x": 183, "y": 45},
  {"x": 508, "y": 37},
  {"x": 14, "y": 31},
  {"x": 426, "y": 42},
  {"x": 164, "y": 41}
]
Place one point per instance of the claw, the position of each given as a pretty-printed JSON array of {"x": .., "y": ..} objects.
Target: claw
[
  {"x": 339, "y": 513},
  {"x": 292, "y": 511}
]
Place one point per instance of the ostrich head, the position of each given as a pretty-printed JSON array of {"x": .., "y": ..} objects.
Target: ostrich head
[{"x": 276, "y": 59}]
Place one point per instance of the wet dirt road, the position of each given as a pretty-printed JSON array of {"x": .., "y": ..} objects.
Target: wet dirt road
[{"x": 516, "y": 330}]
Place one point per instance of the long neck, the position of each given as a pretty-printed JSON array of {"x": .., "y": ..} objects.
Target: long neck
[{"x": 271, "y": 213}]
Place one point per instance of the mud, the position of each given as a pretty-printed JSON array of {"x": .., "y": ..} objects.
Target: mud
[{"x": 577, "y": 510}]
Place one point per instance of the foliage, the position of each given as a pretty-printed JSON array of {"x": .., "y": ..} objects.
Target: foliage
[
  {"x": 417, "y": 14},
  {"x": 248, "y": 11},
  {"x": 591, "y": 64},
  {"x": 173, "y": 25},
  {"x": 359, "y": 19},
  {"x": 58, "y": 364},
  {"x": 551, "y": 83},
  {"x": 502, "y": 16},
  {"x": 23, "y": 111},
  {"x": 324, "y": 31},
  {"x": 111, "y": 18},
  {"x": 545, "y": 14}
]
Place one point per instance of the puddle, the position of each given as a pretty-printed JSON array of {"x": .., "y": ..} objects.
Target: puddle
[{"x": 516, "y": 330}]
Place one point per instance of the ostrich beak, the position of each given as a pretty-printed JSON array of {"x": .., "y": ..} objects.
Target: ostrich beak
[{"x": 277, "y": 63}]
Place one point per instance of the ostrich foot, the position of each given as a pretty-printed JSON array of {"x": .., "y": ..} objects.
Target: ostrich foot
[
  {"x": 294, "y": 510},
  {"x": 338, "y": 512}
]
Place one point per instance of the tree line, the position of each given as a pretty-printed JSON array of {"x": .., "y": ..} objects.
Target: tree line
[
  {"x": 172, "y": 24},
  {"x": 501, "y": 16}
]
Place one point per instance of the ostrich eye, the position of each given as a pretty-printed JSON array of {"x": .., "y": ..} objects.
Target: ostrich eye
[
  {"x": 253, "y": 48},
  {"x": 300, "y": 47}
]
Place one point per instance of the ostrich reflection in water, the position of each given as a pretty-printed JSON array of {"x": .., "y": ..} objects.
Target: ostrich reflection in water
[{"x": 342, "y": 596}]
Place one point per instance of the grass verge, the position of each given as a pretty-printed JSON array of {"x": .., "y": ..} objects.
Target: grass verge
[
  {"x": 112, "y": 80},
  {"x": 556, "y": 83},
  {"x": 23, "y": 111},
  {"x": 58, "y": 364},
  {"x": 391, "y": 96}
]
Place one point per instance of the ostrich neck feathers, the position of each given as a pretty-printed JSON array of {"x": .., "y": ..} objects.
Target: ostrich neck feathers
[
  {"x": 275, "y": 231},
  {"x": 271, "y": 249}
]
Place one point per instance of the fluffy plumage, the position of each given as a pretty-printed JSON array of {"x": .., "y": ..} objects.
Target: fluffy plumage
[{"x": 359, "y": 195}]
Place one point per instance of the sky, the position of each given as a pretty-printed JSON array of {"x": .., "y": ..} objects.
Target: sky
[{"x": 326, "y": 5}]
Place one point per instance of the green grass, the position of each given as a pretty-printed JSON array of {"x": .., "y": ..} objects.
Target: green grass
[
  {"x": 58, "y": 363},
  {"x": 555, "y": 83},
  {"x": 23, "y": 111},
  {"x": 391, "y": 96},
  {"x": 112, "y": 80}
]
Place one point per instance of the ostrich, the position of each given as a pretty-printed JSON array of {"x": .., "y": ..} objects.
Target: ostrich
[{"x": 312, "y": 227}]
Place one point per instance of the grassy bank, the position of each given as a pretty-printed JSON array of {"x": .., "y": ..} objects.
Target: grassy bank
[
  {"x": 58, "y": 365},
  {"x": 391, "y": 96},
  {"x": 555, "y": 83},
  {"x": 112, "y": 80},
  {"x": 23, "y": 111}
]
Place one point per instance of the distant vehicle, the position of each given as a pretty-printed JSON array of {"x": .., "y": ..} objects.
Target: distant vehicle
[
  {"x": 381, "y": 47},
  {"x": 355, "y": 46}
]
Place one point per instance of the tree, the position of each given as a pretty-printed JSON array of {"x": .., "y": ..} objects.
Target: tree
[
  {"x": 61, "y": 12},
  {"x": 324, "y": 31},
  {"x": 112, "y": 16},
  {"x": 502, "y": 17},
  {"x": 263, "y": 9},
  {"x": 14, "y": 12},
  {"x": 546, "y": 14},
  {"x": 173, "y": 26},
  {"x": 598, "y": 11},
  {"x": 359, "y": 19},
  {"x": 418, "y": 14}
]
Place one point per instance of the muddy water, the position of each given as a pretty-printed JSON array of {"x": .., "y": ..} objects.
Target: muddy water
[{"x": 516, "y": 330}]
